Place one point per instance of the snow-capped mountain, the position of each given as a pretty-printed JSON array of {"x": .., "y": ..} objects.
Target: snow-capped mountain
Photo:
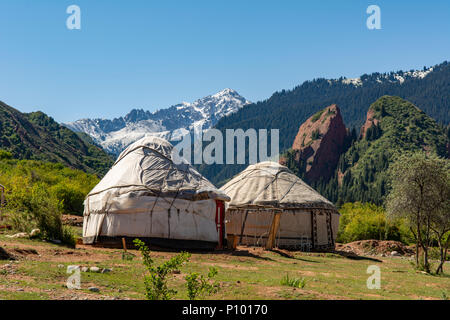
[{"x": 171, "y": 123}]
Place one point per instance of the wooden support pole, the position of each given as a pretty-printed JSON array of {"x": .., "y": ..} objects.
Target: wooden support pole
[
  {"x": 243, "y": 227},
  {"x": 273, "y": 231},
  {"x": 124, "y": 244}
]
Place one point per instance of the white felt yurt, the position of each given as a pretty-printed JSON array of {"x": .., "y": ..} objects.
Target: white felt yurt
[
  {"x": 272, "y": 207},
  {"x": 147, "y": 195}
]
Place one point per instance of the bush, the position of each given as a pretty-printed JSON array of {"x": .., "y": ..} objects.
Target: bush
[
  {"x": 368, "y": 222},
  {"x": 155, "y": 281},
  {"x": 68, "y": 186},
  {"x": 5, "y": 155},
  {"x": 198, "y": 286},
  {"x": 34, "y": 207},
  {"x": 71, "y": 198}
]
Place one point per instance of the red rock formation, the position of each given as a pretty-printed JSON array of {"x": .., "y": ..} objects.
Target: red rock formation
[
  {"x": 370, "y": 121},
  {"x": 320, "y": 142}
]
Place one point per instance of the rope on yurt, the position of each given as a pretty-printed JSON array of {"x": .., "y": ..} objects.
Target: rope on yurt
[
  {"x": 175, "y": 197},
  {"x": 156, "y": 200},
  {"x": 289, "y": 190},
  {"x": 136, "y": 148}
]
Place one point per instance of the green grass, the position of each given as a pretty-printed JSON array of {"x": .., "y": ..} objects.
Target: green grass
[
  {"x": 293, "y": 282},
  {"x": 248, "y": 276}
]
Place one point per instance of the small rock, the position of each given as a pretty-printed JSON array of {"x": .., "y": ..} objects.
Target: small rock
[
  {"x": 94, "y": 289},
  {"x": 395, "y": 254},
  {"x": 72, "y": 268},
  {"x": 20, "y": 290},
  {"x": 84, "y": 269},
  {"x": 60, "y": 266},
  {"x": 34, "y": 233},
  {"x": 18, "y": 235},
  {"x": 106, "y": 270},
  {"x": 94, "y": 269},
  {"x": 56, "y": 241}
]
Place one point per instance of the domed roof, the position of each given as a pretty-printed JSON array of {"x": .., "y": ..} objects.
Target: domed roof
[
  {"x": 148, "y": 166},
  {"x": 270, "y": 184}
]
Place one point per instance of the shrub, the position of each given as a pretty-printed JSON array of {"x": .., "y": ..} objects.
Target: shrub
[
  {"x": 155, "y": 281},
  {"x": 315, "y": 134},
  {"x": 317, "y": 116},
  {"x": 198, "y": 286},
  {"x": 5, "y": 155},
  {"x": 368, "y": 222},
  {"x": 71, "y": 197},
  {"x": 68, "y": 236},
  {"x": 34, "y": 207},
  {"x": 68, "y": 186}
]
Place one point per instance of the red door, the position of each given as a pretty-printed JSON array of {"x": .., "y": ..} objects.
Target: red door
[{"x": 220, "y": 221}]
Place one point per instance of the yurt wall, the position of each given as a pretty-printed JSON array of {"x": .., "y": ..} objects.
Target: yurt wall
[{"x": 299, "y": 229}]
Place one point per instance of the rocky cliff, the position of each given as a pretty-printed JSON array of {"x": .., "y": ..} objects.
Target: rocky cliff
[{"x": 320, "y": 142}]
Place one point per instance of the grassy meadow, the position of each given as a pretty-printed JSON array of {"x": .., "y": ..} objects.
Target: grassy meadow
[{"x": 247, "y": 273}]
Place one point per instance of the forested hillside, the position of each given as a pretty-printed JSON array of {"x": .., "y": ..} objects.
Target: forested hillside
[
  {"x": 36, "y": 136},
  {"x": 287, "y": 110},
  {"x": 393, "y": 126}
]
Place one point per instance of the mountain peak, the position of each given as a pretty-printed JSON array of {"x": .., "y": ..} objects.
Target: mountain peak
[
  {"x": 170, "y": 123},
  {"x": 227, "y": 92}
]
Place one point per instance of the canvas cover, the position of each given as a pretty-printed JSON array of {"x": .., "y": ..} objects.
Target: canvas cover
[
  {"x": 308, "y": 221},
  {"x": 269, "y": 184},
  {"x": 146, "y": 194}
]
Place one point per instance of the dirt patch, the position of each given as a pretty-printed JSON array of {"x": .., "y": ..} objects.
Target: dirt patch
[
  {"x": 71, "y": 220},
  {"x": 375, "y": 248}
]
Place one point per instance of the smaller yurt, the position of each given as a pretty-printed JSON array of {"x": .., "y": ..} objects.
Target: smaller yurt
[
  {"x": 147, "y": 195},
  {"x": 272, "y": 207}
]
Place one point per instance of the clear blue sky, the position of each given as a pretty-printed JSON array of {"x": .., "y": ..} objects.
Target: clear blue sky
[{"x": 153, "y": 54}]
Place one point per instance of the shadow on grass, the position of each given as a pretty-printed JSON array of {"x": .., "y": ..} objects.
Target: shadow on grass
[
  {"x": 4, "y": 255},
  {"x": 353, "y": 256},
  {"x": 246, "y": 253},
  {"x": 288, "y": 255}
]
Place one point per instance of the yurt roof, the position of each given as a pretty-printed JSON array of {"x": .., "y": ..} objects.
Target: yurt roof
[
  {"x": 148, "y": 167},
  {"x": 271, "y": 185}
]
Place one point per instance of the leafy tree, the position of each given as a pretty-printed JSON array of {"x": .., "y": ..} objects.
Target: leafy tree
[{"x": 419, "y": 183}]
